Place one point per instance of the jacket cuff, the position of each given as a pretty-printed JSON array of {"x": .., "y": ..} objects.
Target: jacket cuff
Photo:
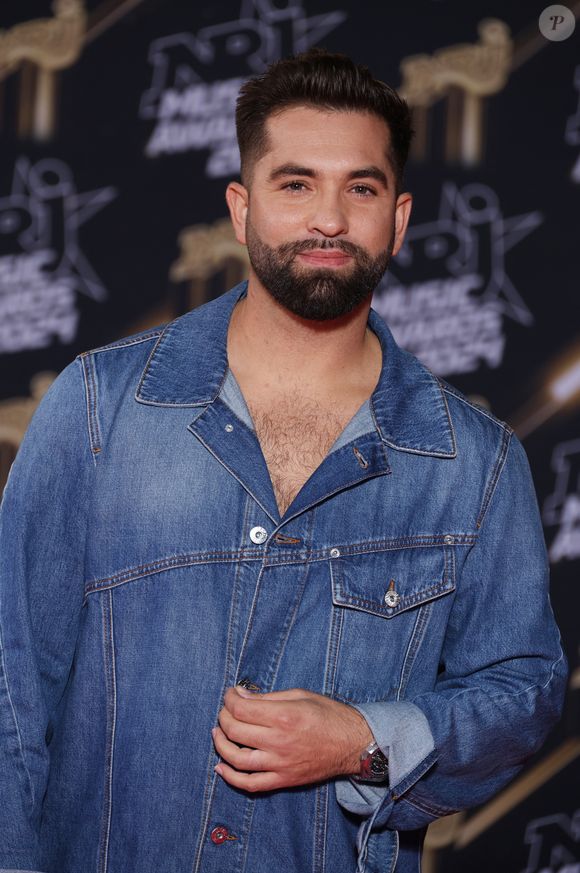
[{"x": 402, "y": 732}]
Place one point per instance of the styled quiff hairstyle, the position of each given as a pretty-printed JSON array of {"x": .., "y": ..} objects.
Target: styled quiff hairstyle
[{"x": 317, "y": 78}]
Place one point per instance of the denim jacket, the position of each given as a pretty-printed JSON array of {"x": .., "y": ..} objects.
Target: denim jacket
[{"x": 145, "y": 568}]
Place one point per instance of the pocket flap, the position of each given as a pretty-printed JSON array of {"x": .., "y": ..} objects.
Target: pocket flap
[{"x": 391, "y": 581}]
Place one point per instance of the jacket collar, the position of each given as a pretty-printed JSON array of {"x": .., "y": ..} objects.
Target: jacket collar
[{"x": 188, "y": 365}]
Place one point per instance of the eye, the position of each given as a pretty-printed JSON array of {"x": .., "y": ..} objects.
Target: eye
[
  {"x": 363, "y": 190},
  {"x": 294, "y": 186}
]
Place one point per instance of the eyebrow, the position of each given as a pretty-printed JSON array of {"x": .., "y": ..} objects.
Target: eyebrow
[{"x": 370, "y": 172}]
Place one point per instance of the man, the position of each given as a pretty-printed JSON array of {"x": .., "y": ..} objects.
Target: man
[{"x": 273, "y": 597}]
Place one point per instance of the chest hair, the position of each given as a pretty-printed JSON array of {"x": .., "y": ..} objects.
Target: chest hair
[{"x": 295, "y": 435}]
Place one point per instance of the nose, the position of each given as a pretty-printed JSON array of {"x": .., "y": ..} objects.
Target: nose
[{"x": 328, "y": 216}]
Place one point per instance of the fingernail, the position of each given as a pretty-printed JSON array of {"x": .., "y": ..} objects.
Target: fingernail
[
  {"x": 218, "y": 769},
  {"x": 213, "y": 731}
]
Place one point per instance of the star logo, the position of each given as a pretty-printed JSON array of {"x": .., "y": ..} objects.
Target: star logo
[
  {"x": 447, "y": 291},
  {"x": 42, "y": 266},
  {"x": 470, "y": 236}
]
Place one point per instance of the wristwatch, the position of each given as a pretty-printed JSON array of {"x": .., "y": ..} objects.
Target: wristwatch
[{"x": 374, "y": 765}]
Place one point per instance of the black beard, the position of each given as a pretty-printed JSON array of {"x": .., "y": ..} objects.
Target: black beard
[{"x": 319, "y": 294}]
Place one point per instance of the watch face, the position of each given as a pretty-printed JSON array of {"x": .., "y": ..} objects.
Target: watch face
[{"x": 379, "y": 764}]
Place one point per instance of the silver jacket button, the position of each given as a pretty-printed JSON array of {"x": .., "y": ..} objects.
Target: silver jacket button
[
  {"x": 392, "y": 599},
  {"x": 258, "y": 534}
]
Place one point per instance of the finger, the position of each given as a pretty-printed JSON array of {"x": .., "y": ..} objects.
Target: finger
[
  {"x": 255, "y": 736},
  {"x": 251, "y": 710},
  {"x": 252, "y": 782},
  {"x": 246, "y": 759},
  {"x": 287, "y": 694}
]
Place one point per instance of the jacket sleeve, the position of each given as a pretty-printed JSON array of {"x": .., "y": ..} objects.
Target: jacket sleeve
[
  {"x": 502, "y": 679},
  {"x": 42, "y": 535}
]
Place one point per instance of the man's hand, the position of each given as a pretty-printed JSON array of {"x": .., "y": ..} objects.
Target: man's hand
[{"x": 285, "y": 738}]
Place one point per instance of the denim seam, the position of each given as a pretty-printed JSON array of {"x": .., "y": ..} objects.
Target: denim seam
[
  {"x": 253, "y": 607},
  {"x": 249, "y": 808},
  {"x": 342, "y": 487},
  {"x": 449, "y": 419},
  {"x": 417, "y": 637},
  {"x": 234, "y": 475},
  {"x": 333, "y": 646},
  {"x": 15, "y": 719},
  {"x": 495, "y": 476},
  {"x": 228, "y": 677},
  {"x": 149, "y": 369},
  {"x": 360, "y": 603},
  {"x": 320, "y": 828},
  {"x": 123, "y": 343},
  {"x": 429, "y": 808},
  {"x": 503, "y": 695},
  {"x": 291, "y": 615},
  {"x": 131, "y": 574},
  {"x": 90, "y": 381},
  {"x": 111, "y": 695},
  {"x": 500, "y": 424}
]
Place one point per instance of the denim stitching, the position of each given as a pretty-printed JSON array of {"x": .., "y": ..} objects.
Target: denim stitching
[
  {"x": 246, "y": 825},
  {"x": 123, "y": 343},
  {"x": 288, "y": 624},
  {"x": 499, "y": 465},
  {"x": 320, "y": 828},
  {"x": 111, "y": 691},
  {"x": 89, "y": 376},
  {"x": 417, "y": 637},
  {"x": 22, "y": 758},
  {"x": 506, "y": 695},
  {"x": 432, "y": 593},
  {"x": 229, "y": 678},
  {"x": 179, "y": 561},
  {"x": 149, "y": 369},
  {"x": 449, "y": 390},
  {"x": 334, "y": 638}
]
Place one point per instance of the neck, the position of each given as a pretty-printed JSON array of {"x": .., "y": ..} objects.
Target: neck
[{"x": 290, "y": 351}]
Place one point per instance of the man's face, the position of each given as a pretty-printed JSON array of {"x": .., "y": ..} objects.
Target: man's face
[{"x": 321, "y": 217}]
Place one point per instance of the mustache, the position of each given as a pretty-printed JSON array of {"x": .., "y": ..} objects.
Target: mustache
[{"x": 308, "y": 245}]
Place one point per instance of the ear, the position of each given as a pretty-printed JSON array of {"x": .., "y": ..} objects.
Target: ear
[
  {"x": 402, "y": 215},
  {"x": 237, "y": 199}
]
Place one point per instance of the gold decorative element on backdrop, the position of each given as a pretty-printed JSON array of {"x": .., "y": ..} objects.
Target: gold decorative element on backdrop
[
  {"x": 206, "y": 251},
  {"x": 38, "y": 50},
  {"x": 210, "y": 261},
  {"x": 463, "y": 75}
]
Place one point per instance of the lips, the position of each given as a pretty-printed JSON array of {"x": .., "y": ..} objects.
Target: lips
[{"x": 322, "y": 258}]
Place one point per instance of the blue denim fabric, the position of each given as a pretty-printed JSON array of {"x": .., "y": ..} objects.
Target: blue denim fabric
[{"x": 132, "y": 596}]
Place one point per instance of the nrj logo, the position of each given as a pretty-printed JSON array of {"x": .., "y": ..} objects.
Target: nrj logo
[
  {"x": 562, "y": 508},
  {"x": 196, "y": 77},
  {"x": 572, "y": 133},
  {"x": 554, "y": 843},
  {"x": 42, "y": 268},
  {"x": 447, "y": 292}
]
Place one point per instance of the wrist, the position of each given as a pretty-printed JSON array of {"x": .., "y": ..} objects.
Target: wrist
[{"x": 360, "y": 737}]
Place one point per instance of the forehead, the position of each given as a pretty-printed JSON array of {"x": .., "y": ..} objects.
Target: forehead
[{"x": 326, "y": 139}]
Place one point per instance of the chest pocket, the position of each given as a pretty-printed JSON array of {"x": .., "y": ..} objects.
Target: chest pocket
[{"x": 385, "y": 605}]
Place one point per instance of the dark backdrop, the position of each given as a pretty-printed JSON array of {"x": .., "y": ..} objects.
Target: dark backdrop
[{"x": 116, "y": 142}]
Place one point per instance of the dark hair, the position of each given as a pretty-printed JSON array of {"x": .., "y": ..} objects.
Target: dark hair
[{"x": 318, "y": 78}]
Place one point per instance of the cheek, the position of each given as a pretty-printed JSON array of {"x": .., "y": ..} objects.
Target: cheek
[
  {"x": 376, "y": 233},
  {"x": 274, "y": 225}
]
